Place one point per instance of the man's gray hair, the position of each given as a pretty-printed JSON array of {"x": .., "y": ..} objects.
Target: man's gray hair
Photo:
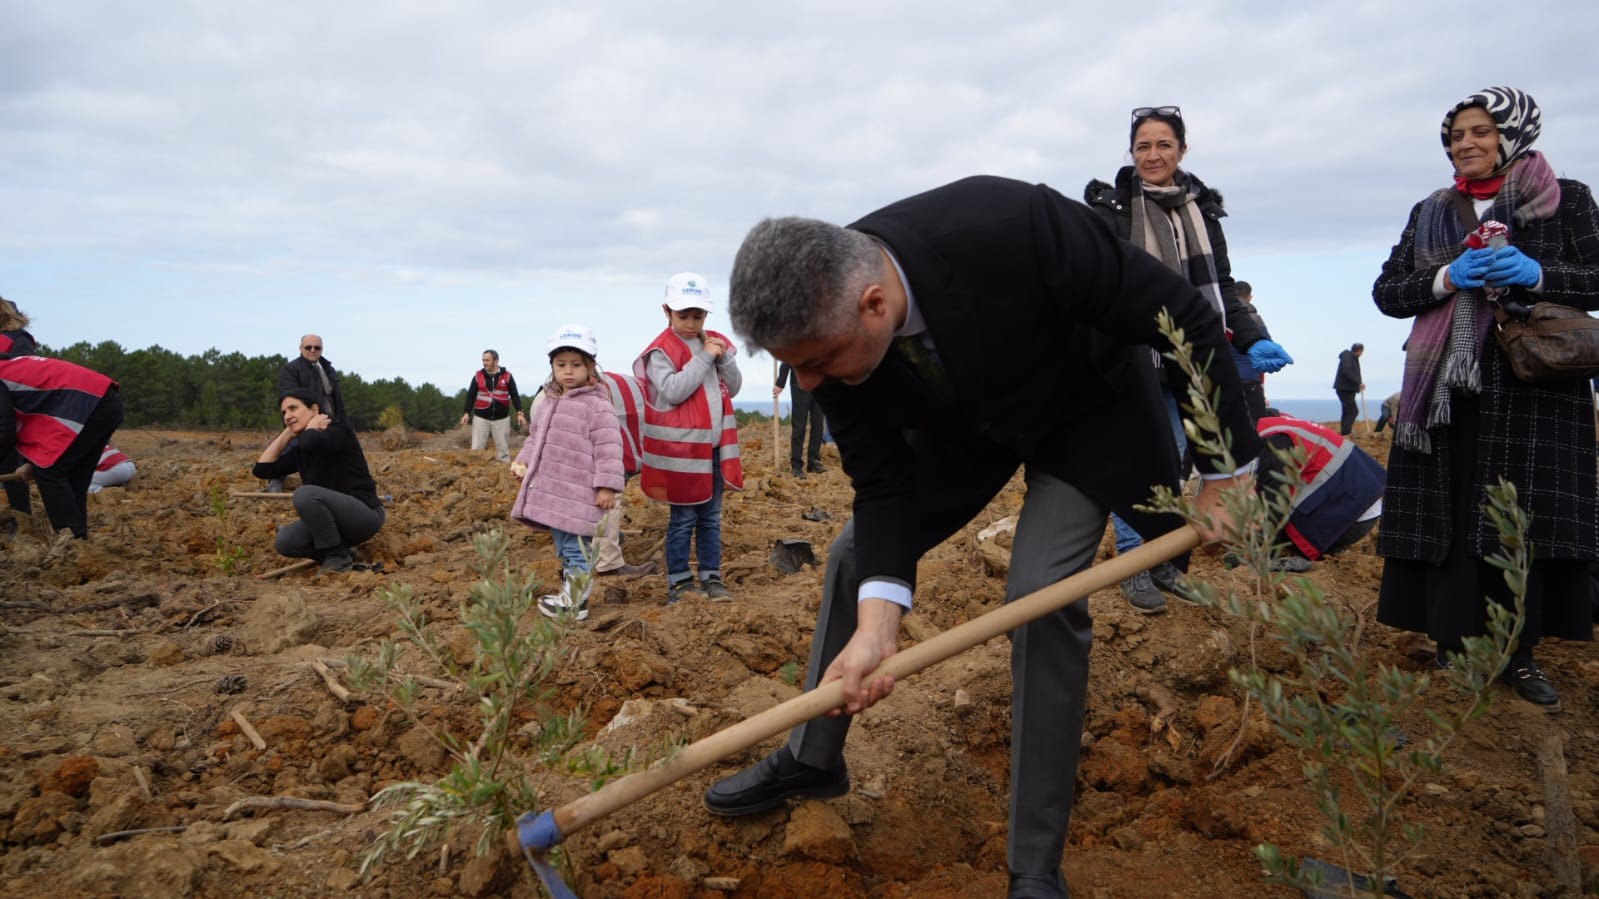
[{"x": 799, "y": 279}]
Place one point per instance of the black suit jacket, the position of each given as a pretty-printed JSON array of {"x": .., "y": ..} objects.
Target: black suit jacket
[{"x": 1038, "y": 313}]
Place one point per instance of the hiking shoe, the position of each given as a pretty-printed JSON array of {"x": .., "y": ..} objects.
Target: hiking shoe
[
  {"x": 338, "y": 559},
  {"x": 716, "y": 591},
  {"x": 676, "y": 589},
  {"x": 273, "y": 486},
  {"x": 799, "y": 472},
  {"x": 1142, "y": 596},
  {"x": 1529, "y": 683},
  {"x": 1169, "y": 578},
  {"x": 558, "y": 605},
  {"x": 771, "y": 783},
  {"x": 817, "y": 467},
  {"x": 626, "y": 570}
]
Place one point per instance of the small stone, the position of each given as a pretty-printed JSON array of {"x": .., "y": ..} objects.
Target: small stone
[
  {"x": 75, "y": 774},
  {"x": 815, "y": 831},
  {"x": 1531, "y": 831},
  {"x": 721, "y": 884},
  {"x": 114, "y": 740},
  {"x": 166, "y": 654},
  {"x": 615, "y": 839},
  {"x": 245, "y": 857},
  {"x": 421, "y": 749},
  {"x": 1436, "y": 790},
  {"x": 1127, "y": 839},
  {"x": 630, "y": 861},
  {"x": 342, "y": 880}
]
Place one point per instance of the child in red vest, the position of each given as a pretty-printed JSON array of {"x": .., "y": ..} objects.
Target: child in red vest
[
  {"x": 690, "y": 434},
  {"x": 570, "y": 465}
]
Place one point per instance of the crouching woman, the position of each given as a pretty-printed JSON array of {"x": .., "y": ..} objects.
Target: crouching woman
[{"x": 338, "y": 500}]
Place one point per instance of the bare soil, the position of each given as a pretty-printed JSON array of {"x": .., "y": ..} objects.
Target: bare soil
[{"x": 123, "y": 659}]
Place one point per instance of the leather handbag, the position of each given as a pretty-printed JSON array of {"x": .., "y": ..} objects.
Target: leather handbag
[
  {"x": 1553, "y": 343},
  {"x": 1548, "y": 342}
]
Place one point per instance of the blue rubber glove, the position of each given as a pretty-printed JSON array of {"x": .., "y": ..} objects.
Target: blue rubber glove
[
  {"x": 1466, "y": 271},
  {"x": 1512, "y": 268},
  {"x": 1268, "y": 356}
]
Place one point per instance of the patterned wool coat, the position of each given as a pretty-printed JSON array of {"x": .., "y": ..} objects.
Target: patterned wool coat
[
  {"x": 1540, "y": 437},
  {"x": 573, "y": 448}
]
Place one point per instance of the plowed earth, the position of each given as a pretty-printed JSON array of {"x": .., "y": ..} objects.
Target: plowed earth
[{"x": 123, "y": 659}]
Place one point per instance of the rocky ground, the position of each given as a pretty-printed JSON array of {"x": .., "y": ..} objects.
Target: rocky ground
[{"x": 123, "y": 661}]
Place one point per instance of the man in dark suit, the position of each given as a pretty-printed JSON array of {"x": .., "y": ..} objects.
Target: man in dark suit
[{"x": 952, "y": 338}]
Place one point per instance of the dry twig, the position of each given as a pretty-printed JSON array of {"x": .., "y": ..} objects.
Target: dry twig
[
  {"x": 333, "y": 685},
  {"x": 291, "y": 802},
  {"x": 248, "y": 729}
]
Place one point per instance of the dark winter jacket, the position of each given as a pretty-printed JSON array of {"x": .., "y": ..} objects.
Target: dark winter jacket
[
  {"x": 1112, "y": 202},
  {"x": 1348, "y": 379},
  {"x": 1540, "y": 437},
  {"x": 300, "y": 374}
]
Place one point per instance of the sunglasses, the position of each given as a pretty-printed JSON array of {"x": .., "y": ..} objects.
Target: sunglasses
[
  {"x": 312, "y": 346},
  {"x": 1144, "y": 112}
]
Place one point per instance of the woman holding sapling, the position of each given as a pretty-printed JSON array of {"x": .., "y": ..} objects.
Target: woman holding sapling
[{"x": 1465, "y": 420}]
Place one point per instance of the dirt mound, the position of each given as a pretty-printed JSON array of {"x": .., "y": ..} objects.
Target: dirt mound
[{"x": 130, "y": 661}]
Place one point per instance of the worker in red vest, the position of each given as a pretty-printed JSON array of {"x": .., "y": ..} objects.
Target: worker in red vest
[
  {"x": 490, "y": 400},
  {"x": 58, "y": 417}
]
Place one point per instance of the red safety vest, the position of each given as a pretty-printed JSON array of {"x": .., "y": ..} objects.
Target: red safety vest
[
  {"x": 628, "y": 399},
  {"x": 678, "y": 442},
  {"x": 1329, "y": 495},
  {"x": 501, "y": 393},
  {"x": 110, "y": 458},
  {"x": 52, "y": 399}
]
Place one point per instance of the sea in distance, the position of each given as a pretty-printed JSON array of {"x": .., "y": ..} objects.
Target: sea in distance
[{"x": 1318, "y": 409}]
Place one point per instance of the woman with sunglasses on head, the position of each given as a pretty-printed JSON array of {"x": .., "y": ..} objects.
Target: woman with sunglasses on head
[
  {"x": 1172, "y": 215},
  {"x": 1465, "y": 420}
]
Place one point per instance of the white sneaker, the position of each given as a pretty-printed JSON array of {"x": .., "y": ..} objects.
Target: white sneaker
[{"x": 555, "y": 605}]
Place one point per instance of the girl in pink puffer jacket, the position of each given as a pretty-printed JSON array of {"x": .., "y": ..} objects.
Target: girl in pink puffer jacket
[{"x": 570, "y": 464}]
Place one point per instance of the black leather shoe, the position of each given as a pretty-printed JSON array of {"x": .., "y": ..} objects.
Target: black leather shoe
[
  {"x": 816, "y": 467},
  {"x": 772, "y": 782},
  {"x": 1528, "y": 681},
  {"x": 1038, "y": 886}
]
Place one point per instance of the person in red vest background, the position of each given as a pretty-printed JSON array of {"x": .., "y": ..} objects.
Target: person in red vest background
[
  {"x": 490, "y": 400},
  {"x": 114, "y": 469},
  {"x": 58, "y": 417}
]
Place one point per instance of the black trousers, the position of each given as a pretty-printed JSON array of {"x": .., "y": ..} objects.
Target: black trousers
[
  {"x": 804, "y": 409},
  {"x": 64, "y": 486},
  {"x": 1348, "y": 412}
]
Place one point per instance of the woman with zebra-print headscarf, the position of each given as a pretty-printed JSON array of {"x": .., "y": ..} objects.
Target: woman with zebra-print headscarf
[{"x": 1464, "y": 420}]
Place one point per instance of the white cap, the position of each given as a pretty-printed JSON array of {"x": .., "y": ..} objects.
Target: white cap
[
  {"x": 574, "y": 337},
  {"x": 686, "y": 290}
]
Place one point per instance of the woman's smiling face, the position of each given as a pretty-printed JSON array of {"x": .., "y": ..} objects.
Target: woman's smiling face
[{"x": 1474, "y": 143}]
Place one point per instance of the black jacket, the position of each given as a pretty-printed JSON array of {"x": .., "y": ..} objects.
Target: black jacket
[
  {"x": 1112, "y": 202},
  {"x": 331, "y": 458},
  {"x": 1348, "y": 379},
  {"x": 300, "y": 374},
  {"x": 1015, "y": 281}
]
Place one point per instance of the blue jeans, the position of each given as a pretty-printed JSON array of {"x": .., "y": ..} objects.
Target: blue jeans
[
  {"x": 701, "y": 523},
  {"x": 1127, "y": 539},
  {"x": 571, "y": 548}
]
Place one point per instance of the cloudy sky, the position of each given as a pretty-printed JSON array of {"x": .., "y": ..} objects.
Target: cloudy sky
[{"x": 417, "y": 181}]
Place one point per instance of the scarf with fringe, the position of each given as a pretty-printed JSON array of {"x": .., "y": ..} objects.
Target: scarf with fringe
[{"x": 1446, "y": 341}]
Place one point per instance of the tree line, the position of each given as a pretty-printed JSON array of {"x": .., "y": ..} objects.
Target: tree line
[{"x": 219, "y": 390}]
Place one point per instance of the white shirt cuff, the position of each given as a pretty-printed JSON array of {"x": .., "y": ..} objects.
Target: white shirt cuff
[
  {"x": 895, "y": 592},
  {"x": 1247, "y": 469}
]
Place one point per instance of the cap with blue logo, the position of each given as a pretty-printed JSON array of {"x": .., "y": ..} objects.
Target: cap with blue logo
[{"x": 687, "y": 290}]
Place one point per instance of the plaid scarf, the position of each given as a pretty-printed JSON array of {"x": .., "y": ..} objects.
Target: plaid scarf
[
  {"x": 1157, "y": 215},
  {"x": 1446, "y": 341}
]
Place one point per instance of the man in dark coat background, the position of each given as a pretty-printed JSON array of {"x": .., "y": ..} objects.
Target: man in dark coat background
[
  {"x": 1346, "y": 384},
  {"x": 953, "y": 338}
]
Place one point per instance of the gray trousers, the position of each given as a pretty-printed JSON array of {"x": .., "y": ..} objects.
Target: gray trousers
[
  {"x": 1057, "y": 535},
  {"x": 328, "y": 519},
  {"x": 499, "y": 429}
]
